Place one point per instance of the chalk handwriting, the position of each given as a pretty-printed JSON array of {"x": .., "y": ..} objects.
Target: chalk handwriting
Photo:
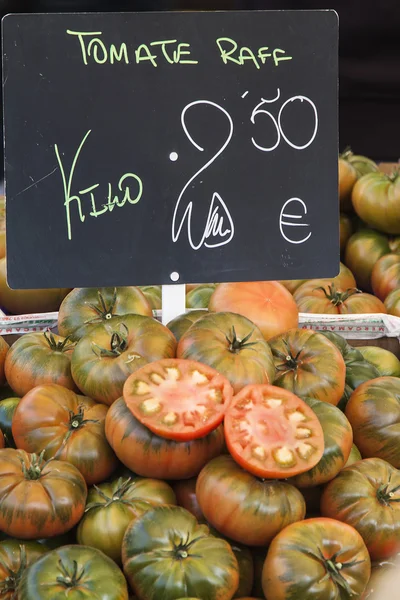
[{"x": 288, "y": 219}]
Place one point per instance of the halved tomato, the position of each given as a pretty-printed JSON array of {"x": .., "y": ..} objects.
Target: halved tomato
[
  {"x": 178, "y": 399},
  {"x": 271, "y": 432}
]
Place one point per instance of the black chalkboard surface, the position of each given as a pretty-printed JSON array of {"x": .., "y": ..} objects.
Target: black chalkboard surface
[{"x": 150, "y": 148}]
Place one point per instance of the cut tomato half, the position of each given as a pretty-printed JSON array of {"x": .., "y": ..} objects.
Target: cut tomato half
[
  {"x": 178, "y": 399},
  {"x": 272, "y": 433}
]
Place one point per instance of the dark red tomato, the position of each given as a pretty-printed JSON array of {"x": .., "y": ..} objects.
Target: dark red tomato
[
  {"x": 149, "y": 455},
  {"x": 38, "y": 499},
  {"x": 104, "y": 357},
  {"x": 37, "y": 358},
  {"x": 185, "y": 491},
  {"x": 244, "y": 508},
  {"x": 166, "y": 553},
  {"x": 63, "y": 425},
  {"x": 15, "y": 557},
  {"x": 232, "y": 345},
  {"x": 272, "y": 433},
  {"x": 363, "y": 249},
  {"x": 374, "y": 413},
  {"x": 366, "y": 495},
  {"x": 316, "y": 559},
  {"x": 338, "y": 440},
  {"x": 385, "y": 277},
  {"x": 181, "y": 324},
  {"x": 309, "y": 365},
  {"x": 84, "y": 308},
  {"x": 178, "y": 399}
]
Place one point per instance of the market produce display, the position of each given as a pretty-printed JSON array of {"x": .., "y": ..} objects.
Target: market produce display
[{"x": 228, "y": 454}]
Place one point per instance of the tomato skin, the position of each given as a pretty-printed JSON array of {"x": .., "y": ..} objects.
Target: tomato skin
[
  {"x": 7, "y": 410},
  {"x": 84, "y": 308},
  {"x": 327, "y": 299},
  {"x": 152, "y": 293},
  {"x": 366, "y": 496},
  {"x": 149, "y": 455},
  {"x": 219, "y": 340},
  {"x": 15, "y": 556},
  {"x": 185, "y": 491},
  {"x": 174, "y": 385},
  {"x": 243, "y": 508},
  {"x": 351, "y": 168},
  {"x": 66, "y": 426},
  {"x": 385, "y": 275},
  {"x": 346, "y": 230},
  {"x": 105, "y": 521},
  {"x": 268, "y": 304},
  {"x": 392, "y": 303},
  {"x": 374, "y": 413},
  {"x": 363, "y": 250},
  {"x": 97, "y": 576},
  {"x": 376, "y": 199},
  {"x": 37, "y": 358},
  {"x": 166, "y": 553},
  {"x": 200, "y": 296},
  {"x": 104, "y": 357},
  {"x": 37, "y": 505},
  {"x": 181, "y": 323},
  {"x": 338, "y": 441},
  {"x": 309, "y": 365},
  {"x": 354, "y": 456},
  {"x": 296, "y": 565},
  {"x": 4, "y": 349},
  {"x": 258, "y": 431},
  {"x": 385, "y": 361}
]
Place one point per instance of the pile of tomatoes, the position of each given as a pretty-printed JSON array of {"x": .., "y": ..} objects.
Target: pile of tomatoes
[{"x": 229, "y": 454}]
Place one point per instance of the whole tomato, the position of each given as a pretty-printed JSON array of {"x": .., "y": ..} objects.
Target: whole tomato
[
  {"x": 309, "y": 365},
  {"x": 327, "y": 299},
  {"x": 366, "y": 495},
  {"x": 38, "y": 499},
  {"x": 351, "y": 168},
  {"x": 199, "y": 297},
  {"x": 149, "y": 455},
  {"x": 376, "y": 199},
  {"x": 37, "y": 358},
  {"x": 385, "y": 277},
  {"x": 316, "y": 559},
  {"x": 392, "y": 303},
  {"x": 181, "y": 323},
  {"x": 268, "y": 304},
  {"x": 15, "y": 557},
  {"x": 63, "y": 425}
]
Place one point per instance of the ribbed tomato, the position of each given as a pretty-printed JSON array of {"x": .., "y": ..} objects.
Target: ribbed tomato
[
  {"x": 243, "y": 507},
  {"x": 309, "y": 365},
  {"x": 363, "y": 249},
  {"x": 351, "y": 168},
  {"x": 385, "y": 275},
  {"x": 73, "y": 572},
  {"x": 392, "y": 303},
  {"x": 200, "y": 296},
  {"x": 66, "y": 426},
  {"x": 272, "y": 433},
  {"x": 268, "y": 304},
  {"x": 178, "y": 399},
  {"x": 152, "y": 293},
  {"x": 232, "y": 345},
  {"x": 185, "y": 492},
  {"x": 376, "y": 199},
  {"x": 338, "y": 440},
  {"x": 344, "y": 279},
  {"x": 328, "y": 299},
  {"x": 84, "y": 308},
  {"x": 111, "y": 506},
  {"x": 374, "y": 413},
  {"x": 38, "y": 499},
  {"x": 149, "y": 455},
  {"x": 166, "y": 553},
  {"x": 15, "y": 557},
  {"x": 316, "y": 559},
  {"x": 104, "y": 357},
  {"x": 366, "y": 495},
  {"x": 385, "y": 361},
  {"x": 37, "y": 358}
]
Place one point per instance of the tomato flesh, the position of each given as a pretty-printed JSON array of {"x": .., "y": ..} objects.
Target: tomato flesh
[
  {"x": 178, "y": 399},
  {"x": 272, "y": 433}
]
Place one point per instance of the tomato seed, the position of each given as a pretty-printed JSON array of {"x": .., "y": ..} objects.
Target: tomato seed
[
  {"x": 296, "y": 416},
  {"x": 156, "y": 378},
  {"x": 259, "y": 452},
  {"x": 170, "y": 418},
  {"x": 305, "y": 450},
  {"x": 303, "y": 432},
  {"x": 141, "y": 388},
  {"x": 172, "y": 374},
  {"x": 150, "y": 406},
  {"x": 198, "y": 378},
  {"x": 273, "y": 402},
  {"x": 284, "y": 457}
]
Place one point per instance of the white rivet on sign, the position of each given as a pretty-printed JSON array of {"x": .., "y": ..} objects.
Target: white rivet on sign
[
  {"x": 174, "y": 276},
  {"x": 173, "y": 156}
]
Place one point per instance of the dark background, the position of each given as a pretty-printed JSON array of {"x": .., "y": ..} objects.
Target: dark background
[{"x": 369, "y": 102}]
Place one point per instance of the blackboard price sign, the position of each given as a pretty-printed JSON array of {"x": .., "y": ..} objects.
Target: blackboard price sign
[{"x": 152, "y": 148}]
